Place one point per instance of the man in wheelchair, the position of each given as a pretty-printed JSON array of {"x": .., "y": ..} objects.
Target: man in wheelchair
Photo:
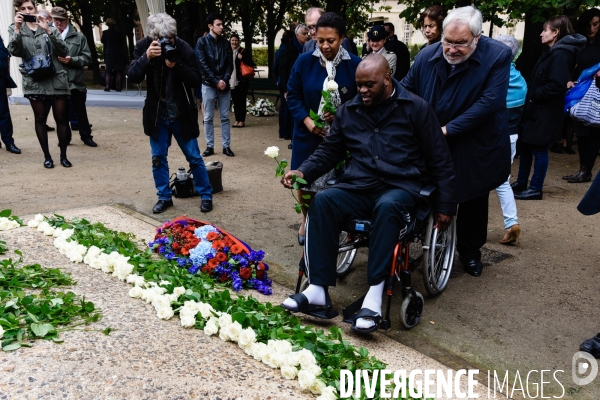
[{"x": 397, "y": 147}]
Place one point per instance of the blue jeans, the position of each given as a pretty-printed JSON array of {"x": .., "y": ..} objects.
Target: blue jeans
[
  {"x": 540, "y": 167},
  {"x": 160, "y": 166},
  {"x": 209, "y": 94}
]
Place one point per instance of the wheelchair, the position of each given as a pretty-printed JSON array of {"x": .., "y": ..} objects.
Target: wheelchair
[{"x": 419, "y": 245}]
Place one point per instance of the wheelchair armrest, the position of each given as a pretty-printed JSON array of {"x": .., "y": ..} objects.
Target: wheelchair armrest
[{"x": 428, "y": 190}]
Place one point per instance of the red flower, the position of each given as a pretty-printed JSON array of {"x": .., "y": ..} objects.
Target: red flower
[
  {"x": 213, "y": 262},
  {"x": 176, "y": 247},
  {"x": 223, "y": 277},
  {"x": 217, "y": 245},
  {"x": 206, "y": 269},
  {"x": 185, "y": 251},
  {"x": 220, "y": 256},
  {"x": 260, "y": 267},
  {"x": 212, "y": 236},
  {"x": 260, "y": 274},
  {"x": 237, "y": 249},
  {"x": 245, "y": 273}
]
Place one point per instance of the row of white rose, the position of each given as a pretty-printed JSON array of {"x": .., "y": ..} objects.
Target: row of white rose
[
  {"x": 299, "y": 364},
  {"x": 7, "y": 224}
]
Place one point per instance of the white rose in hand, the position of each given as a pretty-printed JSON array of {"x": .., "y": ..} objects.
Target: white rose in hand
[
  {"x": 272, "y": 152},
  {"x": 332, "y": 86}
]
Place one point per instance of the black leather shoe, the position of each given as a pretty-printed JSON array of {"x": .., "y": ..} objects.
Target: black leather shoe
[
  {"x": 161, "y": 206},
  {"x": 49, "y": 164},
  {"x": 518, "y": 187},
  {"x": 49, "y": 128},
  {"x": 13, "y": 149},
  {"x": 581, "y": 169},
  {"x": 206, "y": 205},
  {"x": 208, "y": 152},
  {"x": 65, "y": 163},
  {"x": 592, "y": 346},
  {"x": 580, "y": 177},
  {"x": 227, "y": 151},
  {"x": 90, "y": 142},
  {"x": 529, "y": 194},
  {"x": 472, "y": 267},
  {"x": 290, "y": 146}
]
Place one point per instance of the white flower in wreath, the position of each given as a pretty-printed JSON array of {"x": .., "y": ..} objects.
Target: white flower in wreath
[
  {"x": 233, "y": 331},
  {"x": 162, "y": 301},
  {"x": 224, "y": 320},
  {"x": 292, "y": 359},
  {"x": 328, "y": 393},
  {"x": 306, "y": 379},
  {"x": 92, "y": 253},
  {"x": 317, "y": 387},
  {"x": 187, "y": 321},
  {"x": 205, "y": 310},
  {"x": 136, "y": 280},
  {"x": 289, "y": 372},
  {"x": 211, "y": 327},
  {"x": 306, "y": 358},
  {"x": 136, "y": 292},
  {"x": 258, "y": 350},
  {"x": 165, "y": 313},
  {"x": 178, "y": 291},
  {"x": 314, "y": 369},
  {"x": 280, "y": 346},
  {"x": 247, "y": 338}
]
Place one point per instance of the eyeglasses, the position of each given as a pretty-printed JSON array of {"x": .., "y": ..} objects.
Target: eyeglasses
[
  {"x": 311, "y": 27},
  {"x": 459, "y": 46}
]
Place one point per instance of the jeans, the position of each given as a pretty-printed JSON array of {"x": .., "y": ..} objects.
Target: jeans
[
  {"x": 507, "y": 197},
  {"x": 540, "y": 167},
  {"x": 209, "y": 94},
  {"x": 160, "y": 166}
]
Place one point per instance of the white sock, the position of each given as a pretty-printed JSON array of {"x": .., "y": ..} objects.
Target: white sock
[
  {"x": 372, "y": 301},
  {"x": 315, "y": 295}
]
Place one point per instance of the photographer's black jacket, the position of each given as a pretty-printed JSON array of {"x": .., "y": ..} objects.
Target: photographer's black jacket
[
  {"x": 185, "y": 75},
  {"x": 215, "y": 57}
]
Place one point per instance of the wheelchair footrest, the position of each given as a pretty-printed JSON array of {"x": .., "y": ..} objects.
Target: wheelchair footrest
[{"x": 349, "y": 312}]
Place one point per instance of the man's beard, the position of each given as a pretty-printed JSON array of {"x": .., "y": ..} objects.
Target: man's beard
[{"x": 461, "y": 59}]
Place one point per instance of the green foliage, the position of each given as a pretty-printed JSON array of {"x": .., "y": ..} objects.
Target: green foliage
[
  {"x": 100, "y": 50},
  {"x": 8, "y": 214},
  {"x": 414, "y": 50},
  {"x": 260, "y": 55},
  {"x": 331, "y": 351},
  {"x": 27, "y": 316}
]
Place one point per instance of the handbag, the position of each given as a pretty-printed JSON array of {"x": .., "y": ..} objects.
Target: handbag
[
  {"x": 40, "y": 67},
  {"x": 247, "y": 70},
  {"x": 587, "y": 110}
]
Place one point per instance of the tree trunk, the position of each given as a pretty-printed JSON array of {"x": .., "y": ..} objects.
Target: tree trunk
[
  {"x": 87, "y": 28},
  {"x": 274, "y": 25},
  {"x": 532, "y": 48}
]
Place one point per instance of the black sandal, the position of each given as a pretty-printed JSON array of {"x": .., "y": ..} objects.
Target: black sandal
[
  {"x": 367, "y": 314},
  {"x": 323, "y": 312}
]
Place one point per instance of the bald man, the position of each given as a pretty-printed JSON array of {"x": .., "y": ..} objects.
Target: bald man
[{"x": 397, "y": 148}]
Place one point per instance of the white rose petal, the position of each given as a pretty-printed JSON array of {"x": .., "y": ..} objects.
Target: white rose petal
[
  {"x": 328, "y": 393},
  {"x": 33, "y": 223},
  {"x": 187, "y": 321},
  {"x": 289, "y": 372},
  {"x": 317, "y": 387},
  {"x": 306, "y": 379},
  {"x": 165, "y": 313},
  {"x": 39, "y": 217},
  {"x": 233, "y": 331},
  {"x": 162, "y": 283},
  {"x": 332, "y": 86},
  {"x": 206, "y": 310},
  {"x": 136, "y": 292},
  {"x": 272, "y": 151},
  {"x": 292, "y": 359},
  {"x": 224, "y": 320},
  {"x": 280, "y": 346},
  {"x": 135, "y": 279},
  {"x": 178, "y": 291},
  {"x": 43, "y": 225},
  {"x": 258, "y": 350},
  {"x": 306, "y": 358},
  {"x": 211, "y": 327},
  {"x": 247, "y": 337},
  {"x": 314, "y": 369}
]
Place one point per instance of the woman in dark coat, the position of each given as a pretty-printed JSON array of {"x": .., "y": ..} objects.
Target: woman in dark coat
[
  {"x": 313, "y": 72},
  {"x": 114, "y": 54},
  {"x": 588, "y": 138},
  {"x": 239, "y": 84},
  {"x": 543, "y": 116}
]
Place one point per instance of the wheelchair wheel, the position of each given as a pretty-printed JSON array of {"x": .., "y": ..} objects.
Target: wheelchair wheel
[
  {"x": 412, "y": 308},
  {"x": 345, "y": 258},
  {"x": 438, "y": 256}
]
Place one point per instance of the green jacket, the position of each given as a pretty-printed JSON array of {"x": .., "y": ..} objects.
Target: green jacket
[
  {"x": 80, "y": 57},
  {"x": 27, "y": 44}
]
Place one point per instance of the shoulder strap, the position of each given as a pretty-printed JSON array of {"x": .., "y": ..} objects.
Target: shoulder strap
[{"x": 47, "y": 43}]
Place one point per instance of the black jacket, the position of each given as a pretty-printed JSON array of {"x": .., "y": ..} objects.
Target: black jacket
[
  {"x": 5, "y": 79},
  {"x": 543, "y": 116},
  {"x": 215, "y": 57},
  {"x": 405, "y": 149},
  {"x": 402, "y": 56},
  {"x": 288, "y": 57},
  {"x": 246, "y": 59},
  {"x": 183, "y": 77}
]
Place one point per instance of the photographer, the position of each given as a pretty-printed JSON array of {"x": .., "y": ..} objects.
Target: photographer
[{"x": 171, "y": 70}]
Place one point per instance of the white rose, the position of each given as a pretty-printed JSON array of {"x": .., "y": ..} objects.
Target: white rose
[
  {"x": 306, "y": 379},
  {"x": 39, "y": 218},
  {"x": 224, "y": 320},
  {"x": 43, "y": 225},
  {"x": 162, "y": 283},
  {"x": 206, "y": 310},
  {"x": 234, "y": 330},
  {"x": 33, "y": 223},
  {"x": 178, "y": 291},
  {"x": 292, "y": 359},
  {"x": 317, "y": 387},
  {"x": 211, "y": 327},
  {"x": 59, "y": 242},
  {"x": 4, "y": 226},
  {"x": 136, "y": 280},
  {"x": 75, "y": 257},
  {"x": 247, "y": 337},
  {"x": 135, "y": 292},
  {"x": 272, "y": 151},
  {"x": 314, "y": 368},
  {"x": 57, "y": 232},
  {"x": 289, "y": 372},
  {"x": 1, "y": 332},
  {"x": 268, "y": 357},
  {"x": 280, "y": 346},
  {"x": 306, "y": 358},
  {"x": 332, "y": 86},
  {"x": 96, "y": 263},
  {"x": 187, "y": 321},
  {"x": 258, "y": 349},
  {"x": 67, "y": 233},
  {"x": 165, "y": 313},
  {"x": 161, "y": 302},
  {"x": 328, "y": 393},
  {"x": 48, "y": 230}
]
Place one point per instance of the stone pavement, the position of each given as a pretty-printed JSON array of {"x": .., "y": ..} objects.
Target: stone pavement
[{"x": 131, "y": 98}]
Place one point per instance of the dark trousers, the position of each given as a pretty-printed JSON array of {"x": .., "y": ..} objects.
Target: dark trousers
[
  {"x": 471, "y": 227},
  {"x": 384, "y": 206},
  {"x": 589, "y": 146},
  {"x": 238, "y": 95},
  {"x": 285, "y": 118},
  {"x": 72, "y": 113},
  {"x": 529, "y": 153},
  {"x": 6, "y": 126},
  {"x": 78, "y": 99}
]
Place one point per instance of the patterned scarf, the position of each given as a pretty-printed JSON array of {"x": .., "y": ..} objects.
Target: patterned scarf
[{"x": 330, "y": 66}]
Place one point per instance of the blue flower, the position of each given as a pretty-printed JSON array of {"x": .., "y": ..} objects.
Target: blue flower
[
  {"x": 169, "y": 256},
  {"x": 202, "y": 231},
  {"x": 193, "y": 269},
  {"x": 237, "y": 282},
  {"x": 182, "y": 261},
  {"x": 198, "y": 253}
]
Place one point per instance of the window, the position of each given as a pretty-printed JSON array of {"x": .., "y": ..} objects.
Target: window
[{"x": 408, "y": 29}]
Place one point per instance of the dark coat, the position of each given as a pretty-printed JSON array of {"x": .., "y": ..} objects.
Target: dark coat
[
  {"x": 215, "y": 57},
  {"x": 471, "y": 103},
  {"x": 402, "y": 56},
  {"x": 247, "y": 59},
  {"x": 590, "y": 204},
  {"x": 286, "y": 62},
  {"x": 114, "y": 49},
  {"x": 544, "y": 110},
  {"x": 304, "y": 94},
  {"x": 184, "y": 75},
  {"x": 405, "y": 148},
  {"x": 5, "y": 79}
]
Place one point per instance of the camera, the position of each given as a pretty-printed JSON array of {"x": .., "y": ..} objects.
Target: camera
[
  {"x": 169, "y": 50},
  {"x": 29, "y": 18}
]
